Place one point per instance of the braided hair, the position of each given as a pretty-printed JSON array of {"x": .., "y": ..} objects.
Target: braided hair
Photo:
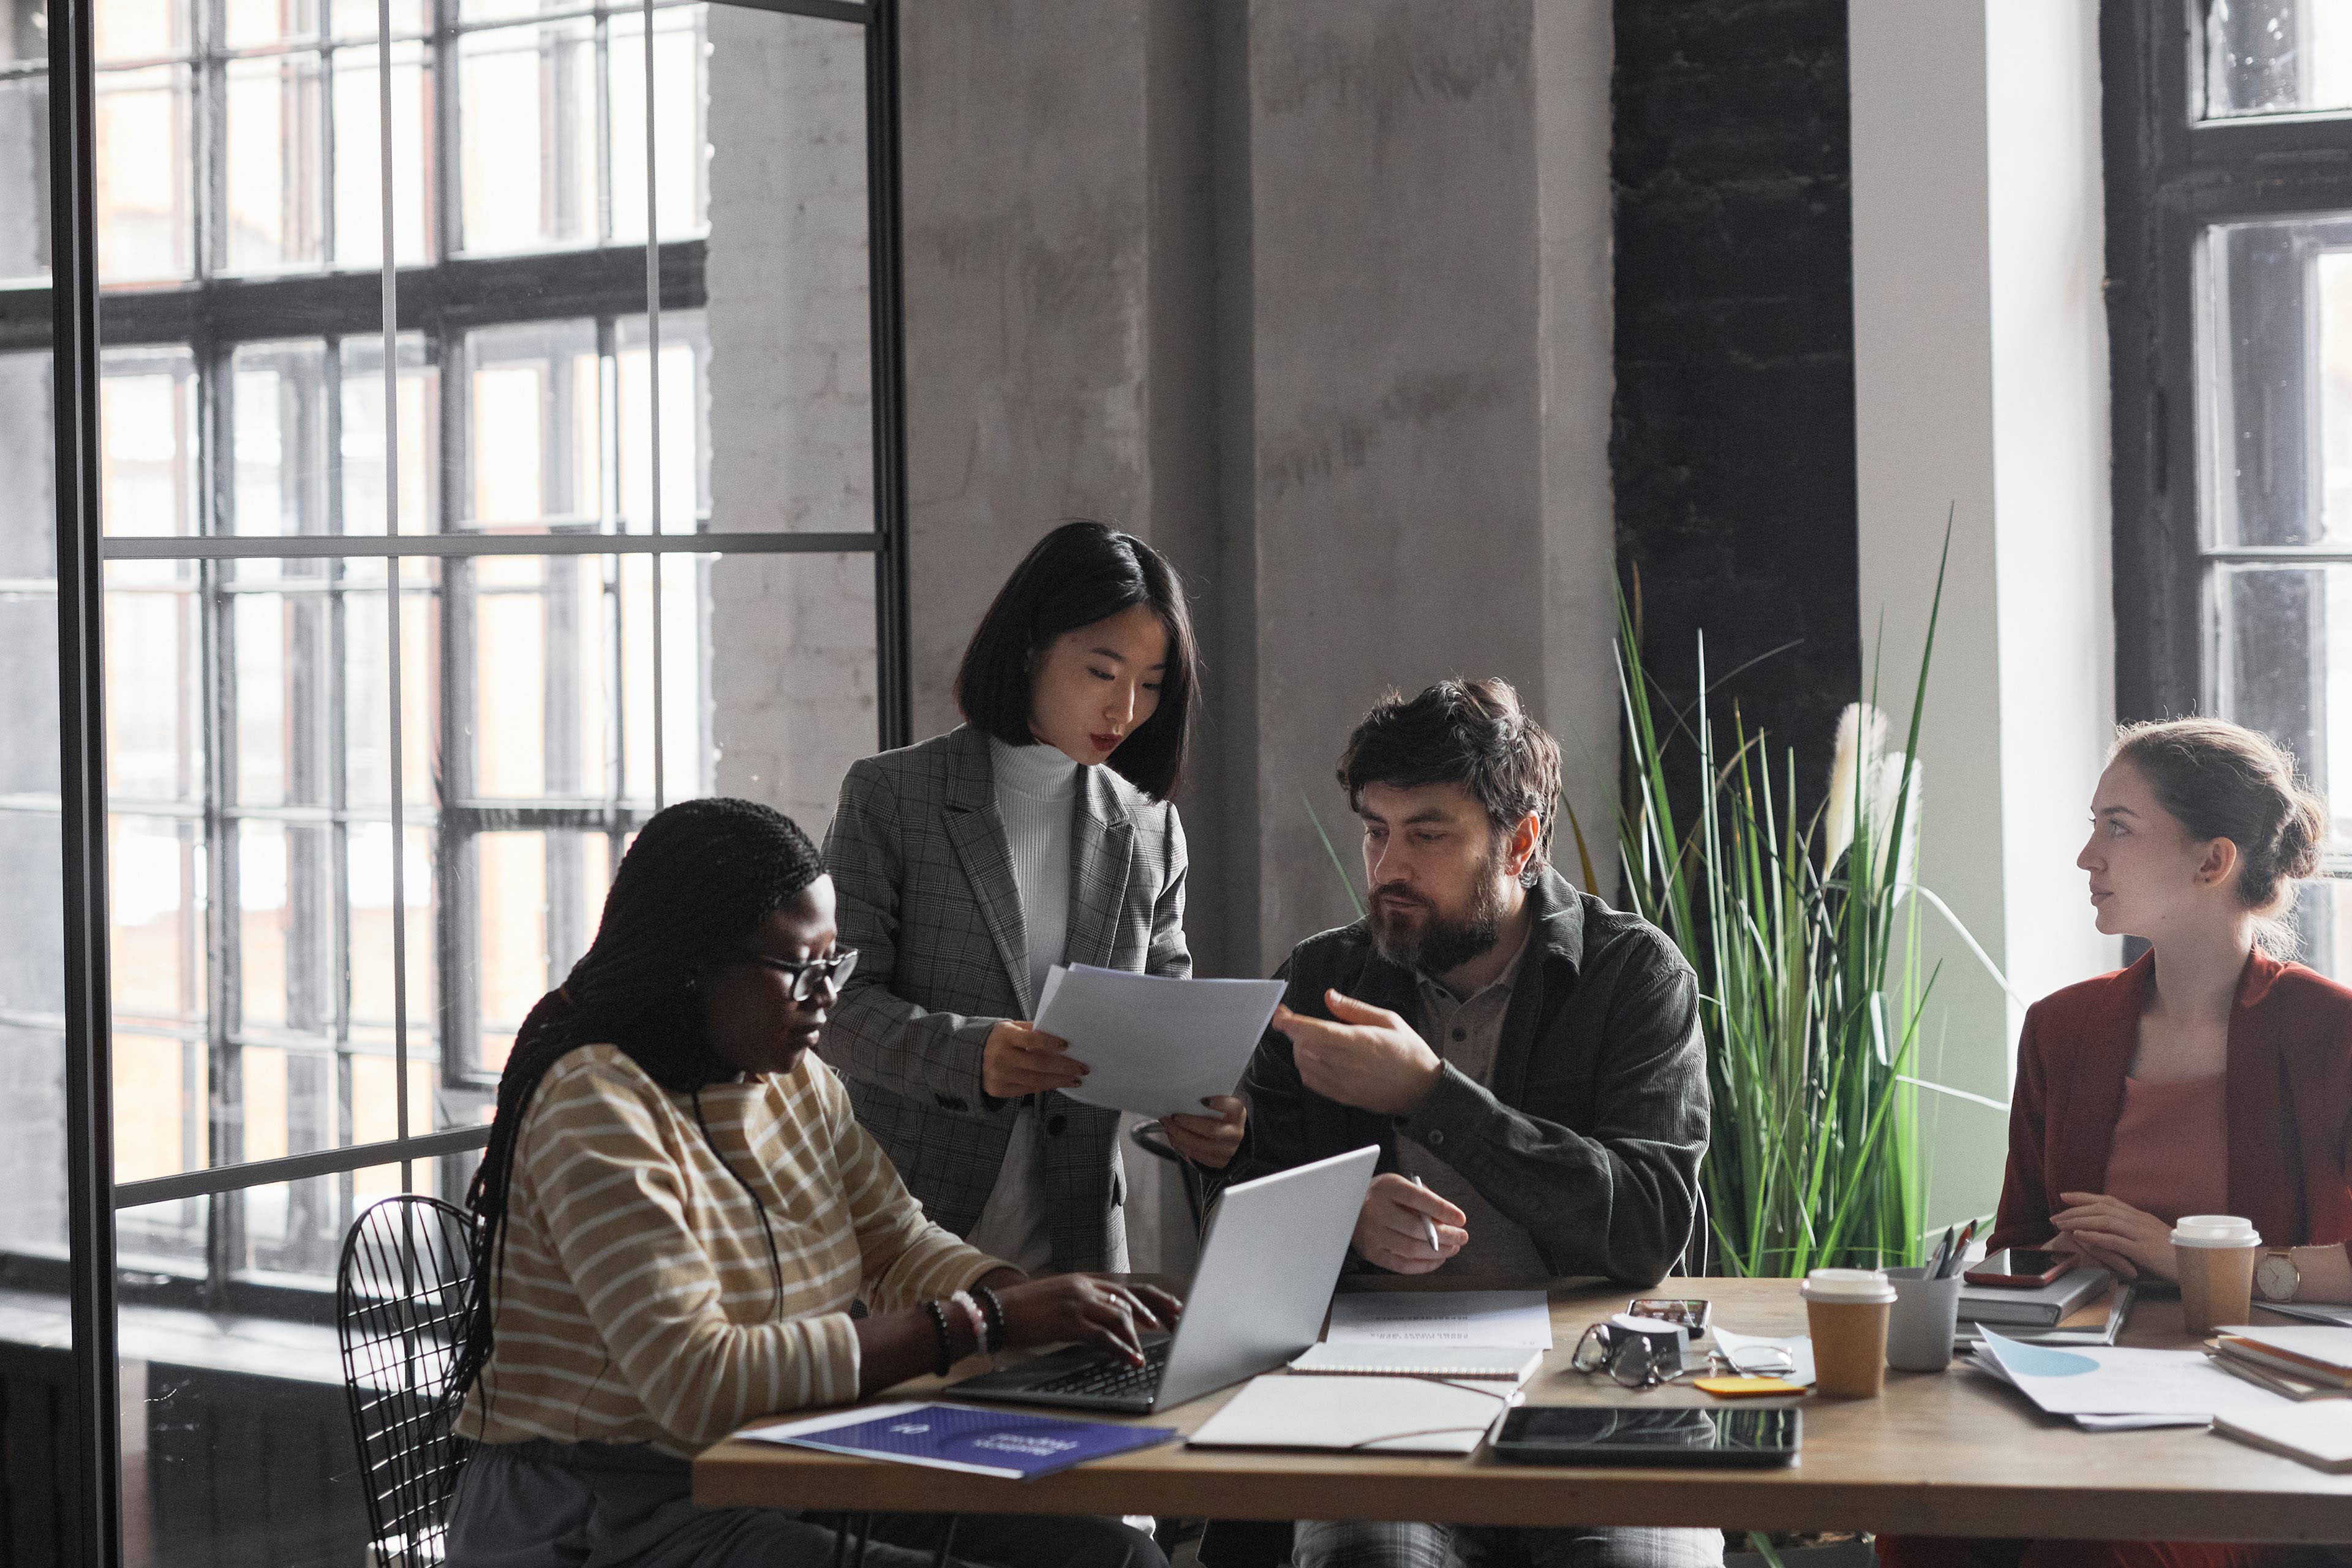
[{"x": 697, "y": 882}]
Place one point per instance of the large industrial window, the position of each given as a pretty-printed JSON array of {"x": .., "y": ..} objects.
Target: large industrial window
[
  {"x": 2230, "y": 261},
  {"x": 426, "y": 582}
]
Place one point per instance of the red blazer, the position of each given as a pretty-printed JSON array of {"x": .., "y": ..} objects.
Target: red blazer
[{"x": 2287, "y": 1084}]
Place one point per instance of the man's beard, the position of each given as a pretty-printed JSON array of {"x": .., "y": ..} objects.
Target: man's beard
[{"x": 1439, "y": 945}]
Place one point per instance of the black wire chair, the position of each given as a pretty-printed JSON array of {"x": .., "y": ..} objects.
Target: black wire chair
[{"x": 399, "y": 1313}]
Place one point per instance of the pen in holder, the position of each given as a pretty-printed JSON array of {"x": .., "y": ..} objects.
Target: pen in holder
[{"x": 1919, "y": 1329}]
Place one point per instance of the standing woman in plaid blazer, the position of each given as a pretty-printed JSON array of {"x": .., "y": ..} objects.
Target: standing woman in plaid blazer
[{"x": 1037, "y": 832}]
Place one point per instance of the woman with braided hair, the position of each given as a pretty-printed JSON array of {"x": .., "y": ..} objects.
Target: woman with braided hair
[{"x": 677, "y": 1211}]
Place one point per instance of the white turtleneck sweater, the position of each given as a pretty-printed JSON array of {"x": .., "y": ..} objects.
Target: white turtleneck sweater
[{"x": 1036, "y": 797}]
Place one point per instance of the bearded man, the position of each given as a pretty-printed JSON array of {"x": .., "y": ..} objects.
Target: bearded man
[{"x": 1527, "y": 1058}]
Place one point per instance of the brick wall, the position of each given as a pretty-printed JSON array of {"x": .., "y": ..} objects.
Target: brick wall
[
  {"x": 1732, "y": 447},
  {"x": 792, "y": 636}
]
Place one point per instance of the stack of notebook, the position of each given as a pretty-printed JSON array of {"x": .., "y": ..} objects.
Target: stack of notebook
[
  {"x": 2040, "y": 1307},
  {"x": 2299, "y": 1362}
]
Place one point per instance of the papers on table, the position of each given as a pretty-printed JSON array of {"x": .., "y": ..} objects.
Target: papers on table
[
  {"x": 1013, "y": 1445},
  {"x": 1517, "y": 1319},
  {"x": 1369, "y": 1415},
  {"x": 2108, "y": 1388},
  {"x": 1757, "y": 1356},
  {"x": 1511, "y": 1364},
  {"x": 1157, "y": 1045}
]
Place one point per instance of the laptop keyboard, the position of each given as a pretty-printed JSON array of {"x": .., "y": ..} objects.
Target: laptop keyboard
[{"x": 1112, "y": 1379}]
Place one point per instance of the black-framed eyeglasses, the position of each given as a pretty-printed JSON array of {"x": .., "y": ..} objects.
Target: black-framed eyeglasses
[
  {"x": 811, "y": 974},
  {"x": 1626, "y": 1358}
]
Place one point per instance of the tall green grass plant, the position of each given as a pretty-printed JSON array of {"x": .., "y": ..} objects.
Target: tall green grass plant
[{"x": 1813, "y": 985}]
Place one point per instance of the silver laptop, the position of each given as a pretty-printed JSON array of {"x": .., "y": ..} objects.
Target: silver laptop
[{"x": 1268, "y": 1262}]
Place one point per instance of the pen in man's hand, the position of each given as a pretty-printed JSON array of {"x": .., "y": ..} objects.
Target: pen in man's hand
[{"x": 1428, "y": 1224}]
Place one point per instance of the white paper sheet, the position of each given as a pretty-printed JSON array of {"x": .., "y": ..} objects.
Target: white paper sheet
[
  {"x": 1156, "y": 1045},
  {"x": 1517, "y": 1318},
  {"x": 1758, "y": 1356},
  {"x": 2097, "y": 1380}
]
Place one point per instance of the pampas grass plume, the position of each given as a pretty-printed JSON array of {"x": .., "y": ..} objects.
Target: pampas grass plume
[{"x": 1861, "y": 741}]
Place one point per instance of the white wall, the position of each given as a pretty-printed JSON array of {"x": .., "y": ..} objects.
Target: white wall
[{"x": 1980, "y": 393}]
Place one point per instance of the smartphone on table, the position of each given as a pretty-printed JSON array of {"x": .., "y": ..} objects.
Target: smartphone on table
[
  {"x": 1690, "y": 1311},
  {"x": 2021, "y": 1267}
]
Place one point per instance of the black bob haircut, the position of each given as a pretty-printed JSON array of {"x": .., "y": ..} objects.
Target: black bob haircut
[
  {"x": 1082, "y": 572},
  {"x": 1468, "y": 733}
]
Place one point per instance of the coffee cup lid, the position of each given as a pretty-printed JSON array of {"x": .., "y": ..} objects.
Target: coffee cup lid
[
  {"x": 1847, "y": 1285},
  {"x": 2215, "y": 1230}
]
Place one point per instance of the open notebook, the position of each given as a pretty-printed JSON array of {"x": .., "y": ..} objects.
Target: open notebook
[
  {"x": 1508, "y": 1363},
  {"x": 1386, "y": 1414}
]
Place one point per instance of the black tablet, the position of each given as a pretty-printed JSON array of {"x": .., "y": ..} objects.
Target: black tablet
[{"x": 1620, "y": 1434}]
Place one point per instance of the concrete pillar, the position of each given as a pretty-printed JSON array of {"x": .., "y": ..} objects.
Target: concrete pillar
[
  {"x": 1416, "y": 443},
  {"x": 1981, "y": 389}
]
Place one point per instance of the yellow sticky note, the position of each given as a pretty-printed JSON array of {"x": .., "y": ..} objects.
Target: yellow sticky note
[{"x": 1745, "y": 1387}]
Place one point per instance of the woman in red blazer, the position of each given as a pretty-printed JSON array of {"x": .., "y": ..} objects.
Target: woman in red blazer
[{"x": 2207, "y": 1077}]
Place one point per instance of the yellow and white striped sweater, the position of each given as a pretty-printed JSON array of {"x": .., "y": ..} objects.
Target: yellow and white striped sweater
[{"x": 636, "y": 1305}]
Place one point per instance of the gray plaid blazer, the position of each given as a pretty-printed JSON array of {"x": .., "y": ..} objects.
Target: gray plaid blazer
[{"x": 923, "y": 874}]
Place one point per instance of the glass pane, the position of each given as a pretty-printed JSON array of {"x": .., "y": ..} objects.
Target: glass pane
[
  {"x": 126, "y": 30},
  {"x": 31, "y": 958},
  {"x": 2278, "y": 670},
  {"x": 790, "y": 380},
  {"x": 684, "y": 423},
  {"x": 526, "y": 137},
  {"x": 274, "y": 158},
  {"x": 147, "y": 427},
  {"x": 23, "y": 173},
  {"x": 155, "y": 642},
  {"x": 372, "y": 925},
  {"x": 159, "y": 1104},
  {"x": 359, "y": 156},
  {"x": 145, "y": 184},
  {"x": 251, "y": 23},
  {"x": 158, "y": 904},
  {"x": 224, "y": 1410},
  {"x": 279, "y": 393},
  {"x": 2276, "y": 303},
  {"x": 361, "y": 18},
  {"x": 367, "y": 691},
  {"x": 418, "y": 415},
  {"x": 27, "y": 451},
  {"x": 535, "y": 401},
  {"x": 285, "y": 898},
  {"x": 681, "y": 130},
  {"x": 2277, "y": 56}
]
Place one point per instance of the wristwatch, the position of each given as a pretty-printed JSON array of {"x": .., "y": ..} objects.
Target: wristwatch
[{"x": 2276, "y": 1279}]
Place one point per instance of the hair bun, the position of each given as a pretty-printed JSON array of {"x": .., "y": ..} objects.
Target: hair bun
[{"x": 2302, "y": 835}]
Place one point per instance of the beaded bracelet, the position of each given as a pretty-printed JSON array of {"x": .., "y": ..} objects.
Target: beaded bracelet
[
  {"x": 994, "y": 1309},
  {"x": 939, "y": 1325},
  {"x": 962, "y": 1300}
]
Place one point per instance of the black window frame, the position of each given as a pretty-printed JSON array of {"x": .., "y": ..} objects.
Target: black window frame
[
  {"x": 63, "y": 316},
  {"x": 2172, "y": 174}
]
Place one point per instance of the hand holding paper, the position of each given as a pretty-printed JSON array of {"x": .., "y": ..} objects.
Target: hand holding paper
[{"x": 1151, "y": 1043}]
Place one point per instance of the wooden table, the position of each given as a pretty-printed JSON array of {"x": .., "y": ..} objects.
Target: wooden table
[{"x": 1948, "y": 1453}]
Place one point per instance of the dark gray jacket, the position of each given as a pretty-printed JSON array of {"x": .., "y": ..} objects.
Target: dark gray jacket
[
  {"x": 923, "y": 875},
  {"x": 1591, "y": 1136}
]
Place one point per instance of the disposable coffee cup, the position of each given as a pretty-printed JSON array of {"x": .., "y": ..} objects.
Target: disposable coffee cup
[
  {"x": 2215, "y": 1255},
  {"x": 1926, "y": 1312},
  {"x": 1847, "y": 1310}
]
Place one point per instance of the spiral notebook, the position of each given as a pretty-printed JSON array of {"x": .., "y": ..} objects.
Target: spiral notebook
[{"x": 1504, "y": 1364}]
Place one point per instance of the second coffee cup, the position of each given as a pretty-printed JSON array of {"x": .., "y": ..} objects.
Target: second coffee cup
[
  {"x": 2215, "y": 1255},
  {"x": 1847, "y": 1310}
]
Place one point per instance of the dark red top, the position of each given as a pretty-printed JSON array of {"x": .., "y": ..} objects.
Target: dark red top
[{"x": 2286, "y": 1087}]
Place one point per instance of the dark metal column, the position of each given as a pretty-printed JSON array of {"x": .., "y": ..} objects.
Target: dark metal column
[
  {"x": 93, "y": 1469},
  {"x": 894, "y": 682}
]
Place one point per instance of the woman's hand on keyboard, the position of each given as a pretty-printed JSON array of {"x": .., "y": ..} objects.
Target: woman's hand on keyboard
[{"x": 1087, "y": 1310}]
